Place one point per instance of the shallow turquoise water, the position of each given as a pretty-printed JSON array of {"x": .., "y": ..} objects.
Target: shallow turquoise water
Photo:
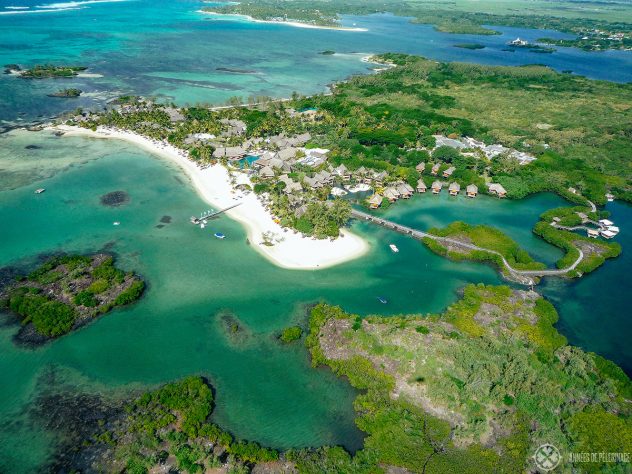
[{"x": 265, "y": 392}]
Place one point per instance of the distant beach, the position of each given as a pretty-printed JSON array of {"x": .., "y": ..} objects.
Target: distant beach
[
  {"x": 213, "y": 184},
  {"x": 297, "y": 24}
]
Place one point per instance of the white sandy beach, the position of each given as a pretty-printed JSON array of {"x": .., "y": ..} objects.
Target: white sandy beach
[
  {"x": 213, "y": 184},
  {"x": 297, "y": 24}
]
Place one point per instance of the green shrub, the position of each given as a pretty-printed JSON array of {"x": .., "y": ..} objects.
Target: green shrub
[
  {"x": 53, "y": 318},
  {"x": 422, "y": 329},
  {"x": 85, "y": 298},
  {"x": 99, "y": 286},
  {"x": 291, "y": 334},
  {"x": 131, "y": 294}
]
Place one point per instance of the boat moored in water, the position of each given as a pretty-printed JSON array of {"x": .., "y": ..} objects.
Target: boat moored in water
[
  {"x": 219, "y": 235},
  {"x": 394, "y": 248}
]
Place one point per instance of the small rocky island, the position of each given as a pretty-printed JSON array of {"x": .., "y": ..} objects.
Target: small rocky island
[
  {"x": 49, "y": 71},
  {"x": 66, "y": 93},
  {"x": 66, "y": 293}
]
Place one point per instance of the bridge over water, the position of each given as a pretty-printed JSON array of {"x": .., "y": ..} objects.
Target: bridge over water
[{"x": 521, "y": 276}]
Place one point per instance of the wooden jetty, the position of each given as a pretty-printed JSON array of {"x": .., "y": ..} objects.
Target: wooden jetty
[{"x": 205, "y": 217}]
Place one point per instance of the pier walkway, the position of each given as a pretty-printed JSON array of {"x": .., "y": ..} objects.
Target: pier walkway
[
  {"x": 522, "y": 276},
  {"x": 206, "y": 217}
]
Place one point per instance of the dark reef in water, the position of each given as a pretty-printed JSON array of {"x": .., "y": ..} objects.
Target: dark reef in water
[
  {"x": 115, "y": 199},
  {"x": 165, "y": 219},
  {"x": 236, "y": 71},
  {"x": 74, "y": 418},
  {"x": 237, "y": 334}
]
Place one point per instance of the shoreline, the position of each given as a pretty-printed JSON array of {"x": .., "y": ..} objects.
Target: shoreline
[
  {"x": 213, "y": 185},
  {"x": 296, "y": 24}
]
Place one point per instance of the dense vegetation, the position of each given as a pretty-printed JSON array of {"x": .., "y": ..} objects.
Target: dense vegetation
[
  {"x": 69, "y": 291},
  {"x": 291, "y": 334},
  {"x": 577, "y": 129},
  {"x": 487, "y": 238},
  {"x": 492, "y": 370},
  {"x": 610, "y": 19},
  {"x": 595, "y": 252},
  {"x": 170, "y": 426},
  {"x": 50, "y": 71},
  {"x": 475, "y": 389},
  {"x": 66, "y": 93},
  {"x": 580, "y": 135}
]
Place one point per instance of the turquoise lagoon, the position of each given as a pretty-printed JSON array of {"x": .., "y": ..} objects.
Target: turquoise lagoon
[{"x": 265, "y": 392}]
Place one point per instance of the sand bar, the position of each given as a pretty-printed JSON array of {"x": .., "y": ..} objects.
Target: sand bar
[{"x": 297, "y": 24}]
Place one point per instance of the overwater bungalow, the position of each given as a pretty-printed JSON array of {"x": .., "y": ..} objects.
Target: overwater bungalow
[
  {"x": 447, "y": 173},
  {"x": 471, "y": 191},
  {"x": 454, "y": 189},
  {"x": 592, "y": 233},
  {"x": 421, "y": 167},
  {"x": 606, "y": 222},
  {"x": 391, "y": 193},
  {"x": 375, "y": 201},
  {"x": 497, "y": 189},
  {"x": 405, "y": 191},
  {"x": 436, "y": 187},
  {"x": 435, "y": 169},
  {"x": 421, "y": 186}
]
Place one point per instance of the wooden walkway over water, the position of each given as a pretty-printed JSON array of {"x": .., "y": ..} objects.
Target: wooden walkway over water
[
  {"x": 521, "y": 276},
  {"x": 204, "y": 218}
]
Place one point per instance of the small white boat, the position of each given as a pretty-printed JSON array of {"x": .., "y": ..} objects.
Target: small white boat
[
  {"x": 116, "y": 223},
  {"x": 40, "y": 190},
  {"x": 202, "y": 225},
  {"x": 394, "y": 248},
  {"x": 219, "y": 235}
]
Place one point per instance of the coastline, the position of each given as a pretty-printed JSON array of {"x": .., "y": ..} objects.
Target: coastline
[
  {"x": 296, "y": 24},
  {"x": 213, "y": 184}
]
